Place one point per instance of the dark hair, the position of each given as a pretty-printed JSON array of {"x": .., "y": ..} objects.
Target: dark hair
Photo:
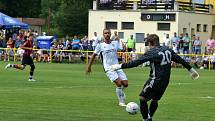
[{"x": 153, "y": 39}]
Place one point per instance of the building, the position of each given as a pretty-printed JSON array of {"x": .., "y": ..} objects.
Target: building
[
  {"x": 139, "y": 17},
  {"x": 34, "y": 23}
]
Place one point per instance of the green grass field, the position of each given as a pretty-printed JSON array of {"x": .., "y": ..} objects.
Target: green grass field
[{"x": 64, "y": 93}]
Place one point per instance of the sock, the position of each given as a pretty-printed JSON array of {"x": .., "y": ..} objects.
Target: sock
[
  {"x": 153, "y": 107},
  {"x": 30, "y": 77},
  {"x": 144, "y": 109},
  {"x": 17, "y": 66},
  {"x": 120, "y": 94}
]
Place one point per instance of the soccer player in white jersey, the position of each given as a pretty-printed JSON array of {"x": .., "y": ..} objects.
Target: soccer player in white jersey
[{"x": 108, "y": 51}]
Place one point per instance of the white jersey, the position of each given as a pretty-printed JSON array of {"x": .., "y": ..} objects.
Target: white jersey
[{"x": 108, "y": 53}]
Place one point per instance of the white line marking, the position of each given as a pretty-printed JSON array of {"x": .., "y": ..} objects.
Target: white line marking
[{"x": 207, "y": 97}]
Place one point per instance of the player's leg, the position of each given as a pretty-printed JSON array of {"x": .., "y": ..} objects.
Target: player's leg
[
  {"x": 152, "y": 108},
  {"x": 119, "y": 92},
  {"x": 145, "y": 95},
  {"x": 158, "y": 91},
  {"x": 144, "y": 108},
  {"x": 31, "y": 72},
  {"x": 16, "y": 66},
  {"x": 113, "y": 76},
  {"x": 124, "y": 83},
  {"x": 29, "y": 61}
]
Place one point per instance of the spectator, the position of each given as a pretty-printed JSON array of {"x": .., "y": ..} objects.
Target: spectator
[
  {"x": 175, "y": 40},
  {"x": 9, "y": 49},
  {"x": 76, "y": 43},
  {"x": 131, "y": 43},
  {"x": 84, "y": 42},
  {"x": 95, "y": 40},
  {"x": 197, "y": 45},
  {"x": 186, "y": 43},
  {"x": 181, "y": 45},
  {"x": 115, "y": 37},
  {"x": 192, "y": 44},
  {"x": 167, "y": 41},
  {"x": 18, "y": 42},
  {"x": 210, "y": 45}
]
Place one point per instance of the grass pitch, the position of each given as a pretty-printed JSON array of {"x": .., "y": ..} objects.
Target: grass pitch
[{"x": 63, "y": 92}]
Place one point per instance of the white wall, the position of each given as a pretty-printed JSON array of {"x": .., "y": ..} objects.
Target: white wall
[{"x": 97, "y": 20}]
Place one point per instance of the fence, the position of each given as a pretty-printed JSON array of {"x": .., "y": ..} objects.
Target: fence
[
  {"x": 153, "y": 5},
  {"x": 50, "y": 54}
]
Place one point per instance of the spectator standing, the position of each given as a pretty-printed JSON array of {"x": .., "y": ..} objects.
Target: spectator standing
[
  {"x": 131, "y": 43},
  {"x": 186, "y": 43},
  {"x": 84, "y": 42},
  {"x": 115, "y": 37},
  {"x": 95, "y": 40},
  {"x": 210, "y": 45},
  {"x": 197, "y": 45},
  {"x": 167, "y": 41},
  {"x": 175, "y": 41}
]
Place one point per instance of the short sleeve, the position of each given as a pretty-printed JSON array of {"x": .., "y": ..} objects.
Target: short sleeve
[{"x": 98, "y": 49}]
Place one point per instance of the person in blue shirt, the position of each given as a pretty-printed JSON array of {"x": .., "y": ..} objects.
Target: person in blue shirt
[{"x": 76, "y": 43}]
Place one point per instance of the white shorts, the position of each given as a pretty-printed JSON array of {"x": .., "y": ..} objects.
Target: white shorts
[{"x": 113, "y": 75}]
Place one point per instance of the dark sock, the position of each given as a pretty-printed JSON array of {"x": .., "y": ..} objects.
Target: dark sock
[
  {"x": 144, "y": 109},
  {"x": 153, "y": 107}
]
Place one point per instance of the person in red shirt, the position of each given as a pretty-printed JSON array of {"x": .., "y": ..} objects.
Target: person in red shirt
[{"x": 27, "y": 59}]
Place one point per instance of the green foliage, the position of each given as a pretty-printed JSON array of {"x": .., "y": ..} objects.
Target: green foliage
[
  {"x": 21, "y": 8},
  {"x": 72, "y": 17}
]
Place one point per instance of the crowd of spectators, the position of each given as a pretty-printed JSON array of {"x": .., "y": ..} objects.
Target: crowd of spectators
[{"x": 69, "y": 48}]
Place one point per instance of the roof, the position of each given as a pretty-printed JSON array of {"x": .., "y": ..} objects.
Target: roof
[{"x": 34, "y": 21}]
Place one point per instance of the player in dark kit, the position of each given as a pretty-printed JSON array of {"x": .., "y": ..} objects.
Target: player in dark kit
[
  {"x": 160, "y": 58},
  {"x": 27, "y": 59}
]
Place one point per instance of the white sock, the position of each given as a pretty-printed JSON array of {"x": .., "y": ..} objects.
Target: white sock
[{"x": 120, "y": 94}]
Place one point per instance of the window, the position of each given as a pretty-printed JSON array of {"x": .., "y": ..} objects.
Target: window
[
  {"x": 121, "y": 35},
  {"x": 140, "y": 37},
  {"x": 198, "y": 1},
  {"x": 205, "y": 28},
  {"x": 111, "y": 25},
  {"x": 163, "y": 26},
  {"x": 127, "y": 25},
  {"x": 184, "y": 31},
  {"x": 198, "y": 28}
]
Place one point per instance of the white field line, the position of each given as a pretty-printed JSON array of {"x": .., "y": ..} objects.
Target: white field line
[
  {"x": 207, "y": 97},
  {"x": 76, "y": 86}
]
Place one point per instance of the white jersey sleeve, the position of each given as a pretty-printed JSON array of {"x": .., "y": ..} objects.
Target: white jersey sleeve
[{"x": 98, "y": 49}]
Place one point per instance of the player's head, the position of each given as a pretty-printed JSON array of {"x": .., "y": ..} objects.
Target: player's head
[
  {"x": 106, "y": 34},
  {"x": 153, "y": 40},
  {"x": 30, "y": 37}
]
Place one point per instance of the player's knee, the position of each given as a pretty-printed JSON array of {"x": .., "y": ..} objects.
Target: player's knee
[
  {"x": 125, "y": 83},
  {"x": 143, "y": 99},
  {"x": 22, "y": 67},
  {"x": 118, "y": 83}
]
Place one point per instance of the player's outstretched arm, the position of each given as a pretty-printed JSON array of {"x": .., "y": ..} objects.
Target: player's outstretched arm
[
  {"x": 193, "y": 73},
  {"x": 88, "y": 69}
]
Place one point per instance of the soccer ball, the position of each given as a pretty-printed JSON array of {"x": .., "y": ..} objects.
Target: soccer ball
[{"x": 132, "y": 108}]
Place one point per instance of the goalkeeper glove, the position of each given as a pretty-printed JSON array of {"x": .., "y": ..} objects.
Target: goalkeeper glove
[
  {"x": 116, "y": 67},
  {"x": 194, "y": 74}
]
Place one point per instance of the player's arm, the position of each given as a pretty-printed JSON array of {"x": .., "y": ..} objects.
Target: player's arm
[
  {"x": 96, "y": 52},
  {"x": 176, "y": 58},
  {"x": 24, "y": 46},
  {"x": 146, "y": 57},
  {"x": 88, "y": 70}
]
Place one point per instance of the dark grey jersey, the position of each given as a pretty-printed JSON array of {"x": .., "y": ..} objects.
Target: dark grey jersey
[{"x": 160, "y": 59}]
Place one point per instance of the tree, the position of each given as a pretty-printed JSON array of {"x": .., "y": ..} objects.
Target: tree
[
  {"x": 21, "y": 8},
  {"x": 72, "y": 17}
]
